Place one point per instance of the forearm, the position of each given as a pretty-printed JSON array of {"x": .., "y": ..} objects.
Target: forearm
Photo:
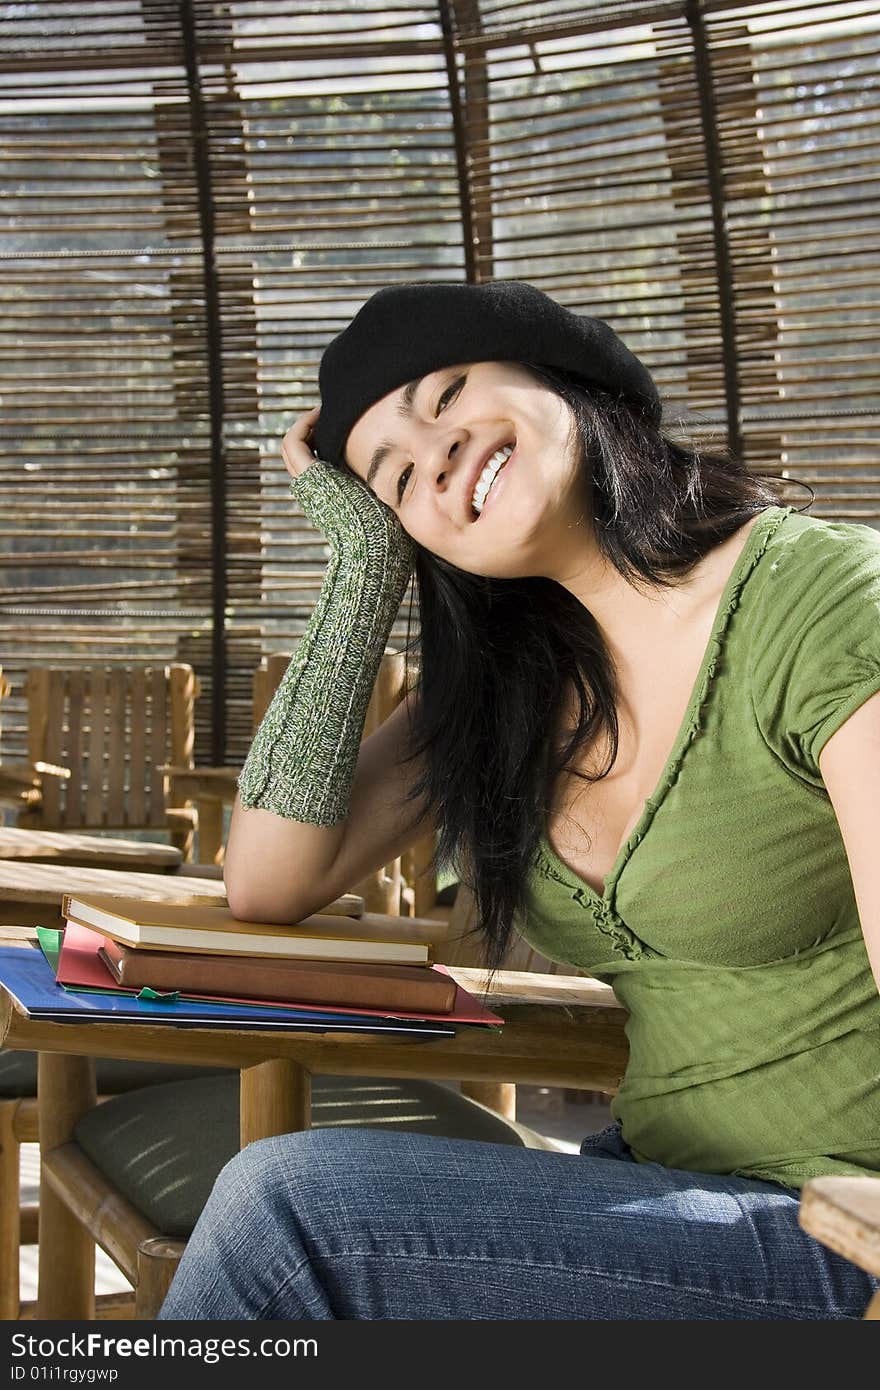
[
  {"x": 295, "y": 789},
  {"x": 280, "y": 870},
  {"x": 276, "y": 869},
  {"x": 301, "y": 763}
]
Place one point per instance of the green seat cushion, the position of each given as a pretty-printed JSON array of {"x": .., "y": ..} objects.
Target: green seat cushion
[
  {"x": 18, "y": 1074},
  {"x": 162, "y": 1147}
]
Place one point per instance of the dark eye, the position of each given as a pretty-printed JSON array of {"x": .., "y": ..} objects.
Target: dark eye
[
  {"x": 450, "y": 394},
  {"x": 402, "y": 482}
]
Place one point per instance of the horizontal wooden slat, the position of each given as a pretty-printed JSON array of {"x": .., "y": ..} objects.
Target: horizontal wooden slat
[{"x": 573, "y": 150}]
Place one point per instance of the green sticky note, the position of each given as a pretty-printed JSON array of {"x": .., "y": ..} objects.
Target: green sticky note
[
  {"x": 50, "y": 944},
  {"x": 170, "y": 998}
]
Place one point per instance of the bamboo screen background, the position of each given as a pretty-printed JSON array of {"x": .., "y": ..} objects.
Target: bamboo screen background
[{"x": 197, "y": 196}]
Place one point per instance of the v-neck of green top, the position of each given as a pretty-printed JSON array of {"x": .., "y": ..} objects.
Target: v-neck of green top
[{"x": 756, "y": 542}]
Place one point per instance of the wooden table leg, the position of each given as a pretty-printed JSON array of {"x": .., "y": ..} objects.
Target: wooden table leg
[
  {"x": 498, "y": 1095},
  {"x": 276, "y": 1098},
  {"x": 10, "y": 1216},
  {"x": 66, "y": 1281}
]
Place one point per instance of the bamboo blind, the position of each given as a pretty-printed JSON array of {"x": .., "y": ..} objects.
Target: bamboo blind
[{"x": 197, "y": 196}]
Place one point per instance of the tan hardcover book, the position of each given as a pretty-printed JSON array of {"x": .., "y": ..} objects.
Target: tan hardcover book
[
  {"x": 212, "y": 928},
  {"x": 420, "y": 988}
]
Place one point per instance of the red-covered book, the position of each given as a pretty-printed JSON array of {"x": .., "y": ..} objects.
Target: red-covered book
[
  {"x": 361, "y": 985},
  {"x": 81, "y": 966}
]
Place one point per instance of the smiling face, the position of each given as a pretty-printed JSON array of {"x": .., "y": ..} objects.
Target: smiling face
[{"x": 482, "y": 465}]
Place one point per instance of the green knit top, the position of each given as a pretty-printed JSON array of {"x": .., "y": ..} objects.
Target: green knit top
[{"x": 728, "y": 926}]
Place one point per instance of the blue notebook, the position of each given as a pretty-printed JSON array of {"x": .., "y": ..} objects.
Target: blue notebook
[{"x": 27, "y": 975}]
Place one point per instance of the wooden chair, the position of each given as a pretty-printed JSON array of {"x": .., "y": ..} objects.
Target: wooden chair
[
  {"x": 19, "y": 782},
  {"x": 97, "y": 738},
  {"x": 108, "y": 732},
  {"x": 19, "y": 1124},
  {"x": 844, "y": 1214}
]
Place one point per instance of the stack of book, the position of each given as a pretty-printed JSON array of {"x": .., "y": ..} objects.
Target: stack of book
[
  {"x": 361, "y": 973},
  {"x": 370, "y": 961}
]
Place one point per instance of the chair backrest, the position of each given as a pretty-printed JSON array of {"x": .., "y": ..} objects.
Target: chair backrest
[
  {"x": 387, "y": 691},
  {"x": 113, "y": 727}
]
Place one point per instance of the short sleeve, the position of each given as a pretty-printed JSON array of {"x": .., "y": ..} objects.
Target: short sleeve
[{"x": 815, "y": 651}]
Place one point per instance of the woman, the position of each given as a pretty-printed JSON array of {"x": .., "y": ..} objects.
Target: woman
[{"x": 647, "y": 727}]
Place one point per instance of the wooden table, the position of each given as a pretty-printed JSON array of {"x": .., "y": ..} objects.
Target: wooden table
[
  {"x": 30, "y": 894},
  {"x": 72, "y": 847},
  {"x": 559, "y": 1031}
]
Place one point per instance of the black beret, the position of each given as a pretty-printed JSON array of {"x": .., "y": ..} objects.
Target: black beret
[{"x": 406, "y": 331}]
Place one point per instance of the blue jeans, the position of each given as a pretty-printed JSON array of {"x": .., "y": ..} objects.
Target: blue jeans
[{"x": 355, "y": 1224}]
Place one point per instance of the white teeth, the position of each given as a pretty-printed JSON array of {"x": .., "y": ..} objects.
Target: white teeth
[{"x": 488, "y": 476}]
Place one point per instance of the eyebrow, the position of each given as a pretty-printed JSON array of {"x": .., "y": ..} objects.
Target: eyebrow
[
  {"x": 404, "y": 409},
  {"x": 376, "y": 462},
  {"x": 405, "y": 404}
]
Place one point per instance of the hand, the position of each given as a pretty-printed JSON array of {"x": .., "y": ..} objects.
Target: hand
[
  {"x": 296, "y": 446},
  {"x": 340, "y": 504}
]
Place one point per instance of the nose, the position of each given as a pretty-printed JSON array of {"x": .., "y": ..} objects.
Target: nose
[{"x": 444, "y": 457}]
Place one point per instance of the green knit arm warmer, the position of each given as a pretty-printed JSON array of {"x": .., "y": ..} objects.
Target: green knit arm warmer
[{"x": 302, "y": 761}]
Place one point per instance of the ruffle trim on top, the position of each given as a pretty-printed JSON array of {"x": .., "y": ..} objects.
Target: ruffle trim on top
[
  {"x": 712, "y": 662},
  {"x": 753, "y": 550},
  {"x": 625, "y": 942}
]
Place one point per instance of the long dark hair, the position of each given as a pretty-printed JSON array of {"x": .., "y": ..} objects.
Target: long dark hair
[{"x": 498, "y": 657}]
